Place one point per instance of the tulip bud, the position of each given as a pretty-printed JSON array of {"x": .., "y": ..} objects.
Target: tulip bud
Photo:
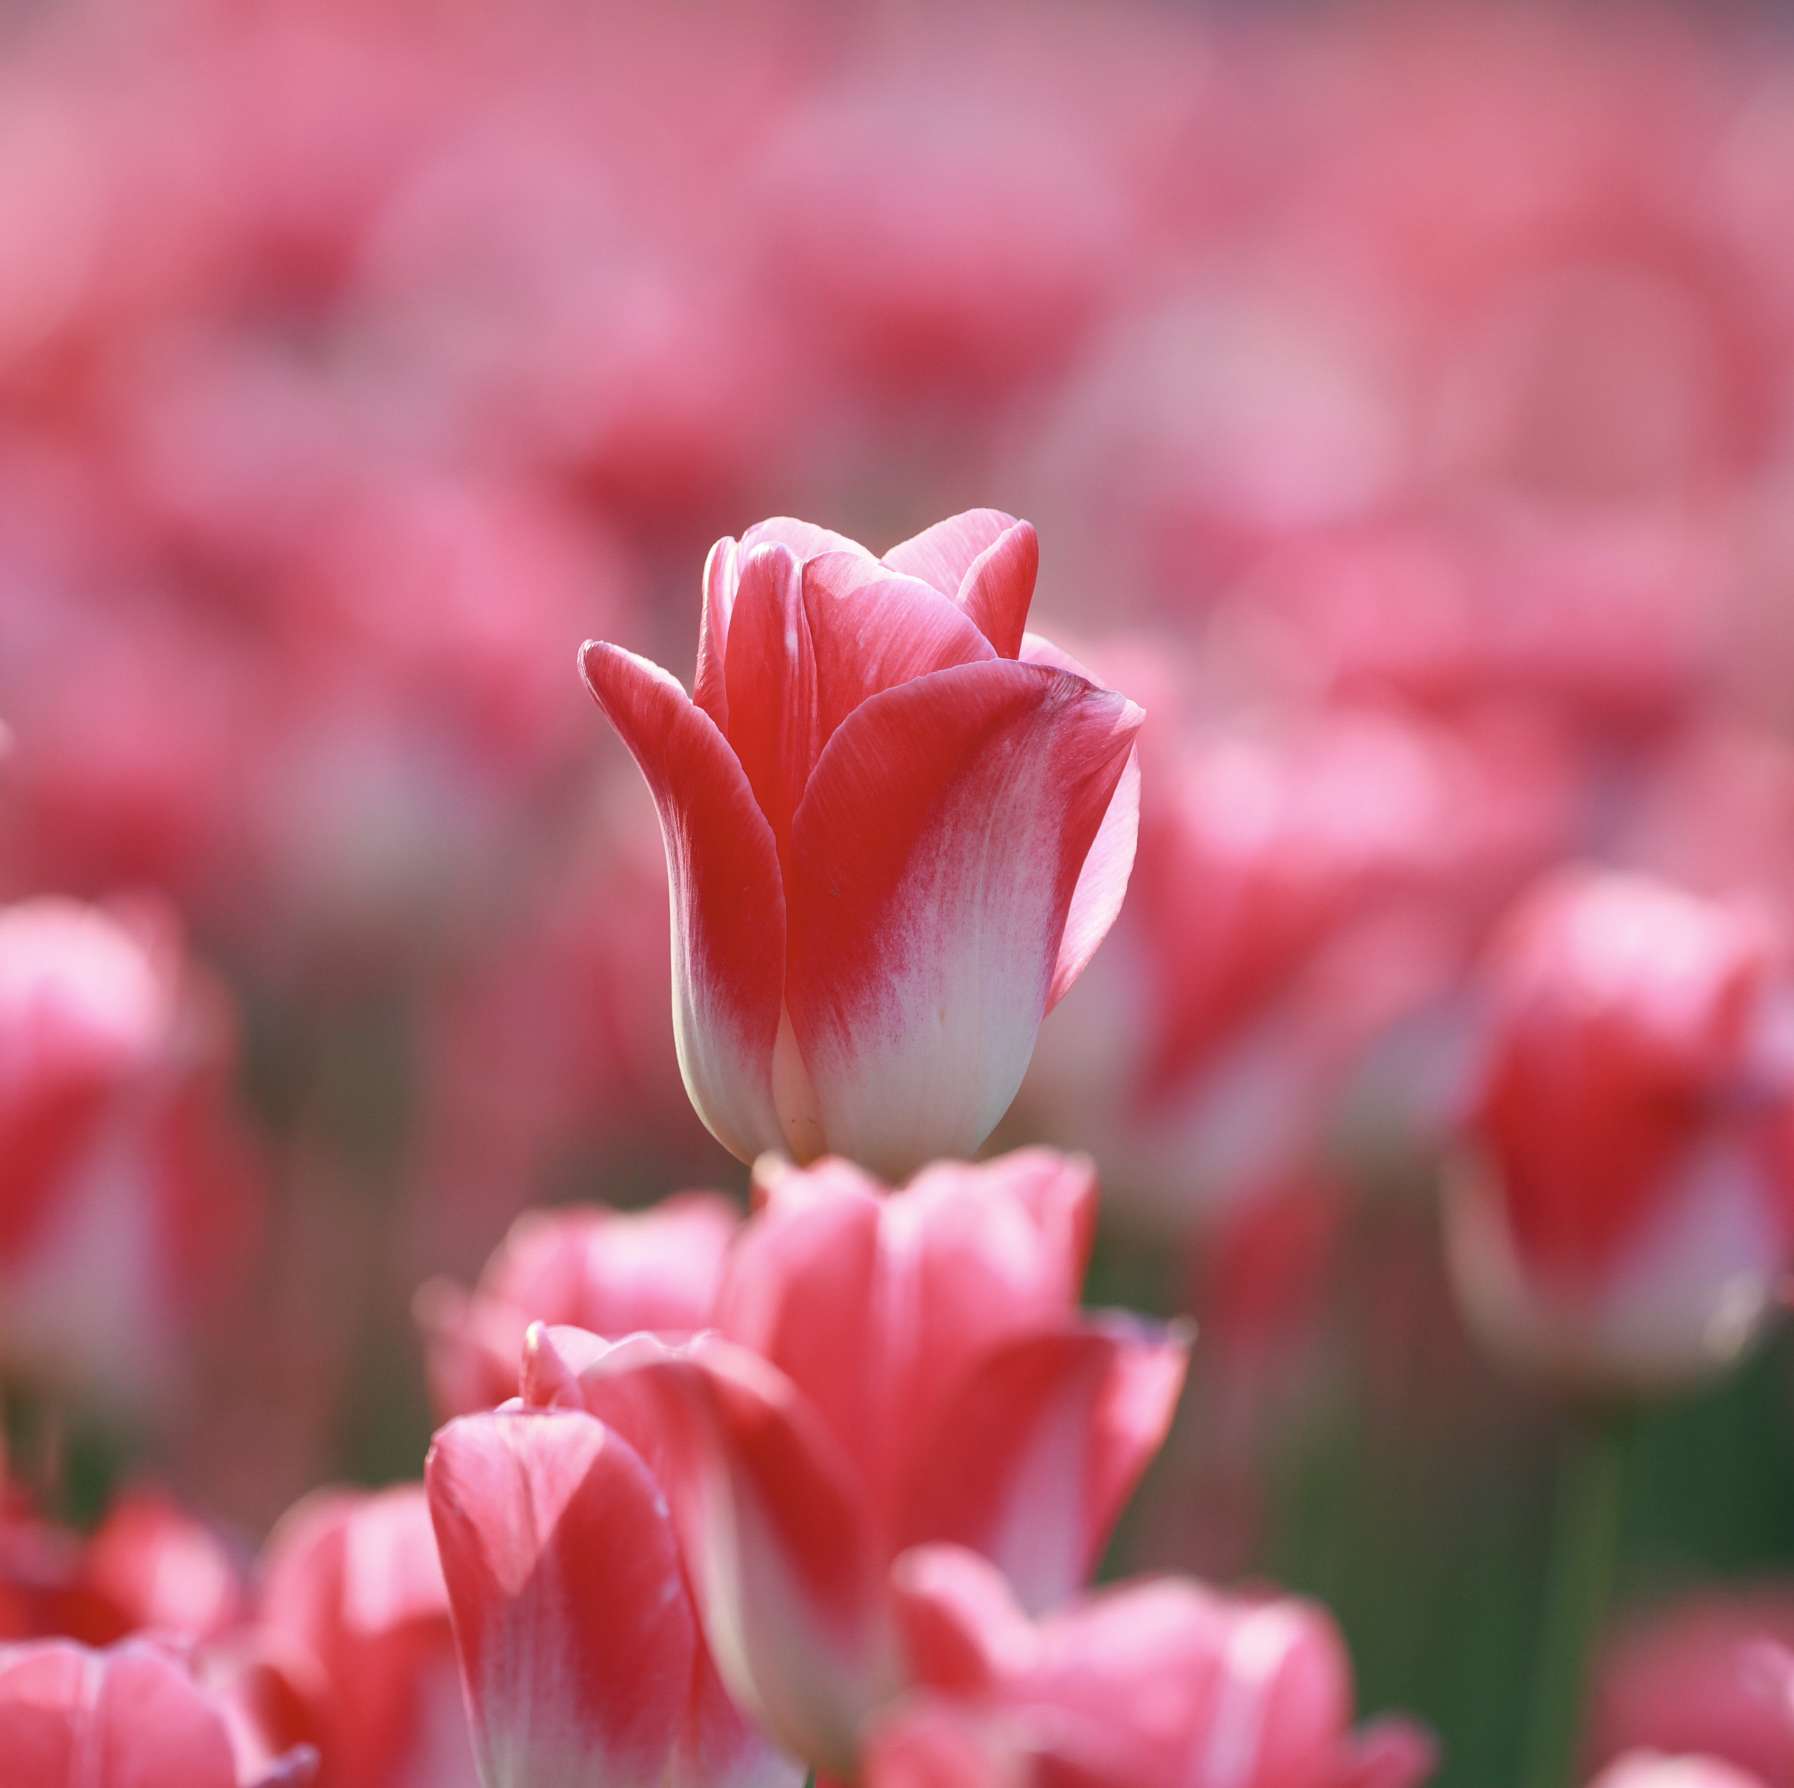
[
  {"x": 1625, "y": 1213},
  {"x": 896, "y": 828}
]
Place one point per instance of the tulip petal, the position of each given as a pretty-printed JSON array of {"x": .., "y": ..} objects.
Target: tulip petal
[
  {"x": 709, "y": 687},
  {"x": 941, "y": 555},
  {"x": 723, "y": 880},
  {"x": 775, "y": 1542},
  {"x": 577, "y": 1641},
  {"x": 772, "y": 684},
  {"x": 872, "y": 631},
  {"x": 1030, "y": 1462},
  {"x": 805, "y": 539},
  {"x": 128, "y": 1717},
  {"x": 998, "y": 588},
  {"x": 933, "y": 862},
  {"x": 1102, "y": 882}
]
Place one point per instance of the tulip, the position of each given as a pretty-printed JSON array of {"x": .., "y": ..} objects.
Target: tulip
[
  {"x": 1649, "y": 1769},
  {"x": 1160, "y": 1683},
  {"x": 131, "y": 1186},
  {"x": 889, "y": 1369},
  {"x": 353, "y": 1600},
  {"x": 1709, "y": 1676},
  {"x": 609, "y": 1271},
  {"x": 896, "y": 826},
  {"x": 579, "y": 1647},
  {"x": 131, "y": 1716},
  {"x": 1626, "y": 1214}
]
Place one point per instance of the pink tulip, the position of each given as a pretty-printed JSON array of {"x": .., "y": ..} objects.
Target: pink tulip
[
  {"x": 579, "y": 1646},
  {"x": 891, "y": 1369},
  {"x": 1628, "y": 1209},
  {"x": 1709, "y": 1676},
  {"x": 1161, "y": 1683},
  {"x": 353, "y": 1601},
  {"x": 897, "y": 826},
  {"x": 131, "y": 1186},
  {"x": 609, "y": 1271},
  {"x": 132, "y": 1716}
]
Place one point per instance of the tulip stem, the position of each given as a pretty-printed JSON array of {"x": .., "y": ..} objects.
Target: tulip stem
[{"x": 1584, "y": 1549}]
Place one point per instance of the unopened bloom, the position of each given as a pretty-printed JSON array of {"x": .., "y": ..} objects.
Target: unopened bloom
[
  {"x": 896, "y": 826},
  {"x": 891, "y": 1369},
  {"x": 130, "y": 1716},
  {"x": 1161, "y": 1683},
  {"x": 578, "y": 1643},
  {"x": 1628, "y": 1208}
]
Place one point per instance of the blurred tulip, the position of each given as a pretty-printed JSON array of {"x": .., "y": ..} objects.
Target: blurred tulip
[
  {"x": 132, "y": 1716},
  {"x": 132, "y": 1189},
  {"x": 612, "y": 1272},
  {"x": 579, "y": 1646},
  {"x": 353, "y": 1602},
  {"x": 1627, "y": 1209},
  {"x": 1650, "y": 1769},
  {"x": 1161, "y": 1683},
  {"x": 891, "y": 1369},
  {"x": 896, "y": 825},
  {"x": 1712, "y": 1675}
]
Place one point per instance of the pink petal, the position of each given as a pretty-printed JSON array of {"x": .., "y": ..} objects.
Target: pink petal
[
  {"x": 941, "y": 555},
  {"x": 872, "y": 631},
  {"x": 962, "y": 1629},
  {"x": 775, "y": 1542},
  {"x": 727, "y": 902},
  {"x": 998, "y": 588},
  {"x": 709, "y": 688},
  {"x": 933, "y": 862},
  {"x": 1031, "y": 1461},
  {"x": 127, "y": 1717},
  {"x": 805, "y": 539},
  {"x": 577, "y": 1641},
  {"x": 1102, "y": 882}
]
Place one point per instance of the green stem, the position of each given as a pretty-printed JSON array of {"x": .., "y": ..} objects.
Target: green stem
[{"x": 1584, "y": 1548}]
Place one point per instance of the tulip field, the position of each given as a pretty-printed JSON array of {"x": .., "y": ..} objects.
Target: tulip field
[{"x": 896, "y": 896}]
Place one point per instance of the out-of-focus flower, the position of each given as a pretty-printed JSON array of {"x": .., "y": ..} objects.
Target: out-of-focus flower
[
  {"x": 1651, "y": 1769},
  {"x": 897, "y": 826},
  {"x": 1161, "y": 1683},
  {"x": 891, "y": 1369},
  {"x": 131, "y": 1716},
  {"x": 1627, "y": 1207},
  {"x": 612, "y": 1272},
  {"x": 354, "y": 1608},
  {"x": 133, "y": 1190},
  {"x": 1712, "y": 1676},
  {"x": 579, "y": 1645}
]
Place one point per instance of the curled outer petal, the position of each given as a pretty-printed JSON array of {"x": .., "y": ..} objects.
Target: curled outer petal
[{"x": 728, "y": 906}]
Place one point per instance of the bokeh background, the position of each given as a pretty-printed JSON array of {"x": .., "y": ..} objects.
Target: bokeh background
[{"x": 1405, "y": 398}]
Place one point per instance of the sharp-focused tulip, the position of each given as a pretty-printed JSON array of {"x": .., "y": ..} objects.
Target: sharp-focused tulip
[
  {"x": 612, "y": 1272},
  {"x": 1628, "y": 1207},
  {"x": 130, "y": 1183},
  {"x": 131, "y": 1716},
  {"x": 1161, "y": 1683},
  {"x": 891, "y": 1369},
  {"x": 353, "y": 1598},
  {"x": 580, "y": 1650},
  {"x": 896, "y": 826}
]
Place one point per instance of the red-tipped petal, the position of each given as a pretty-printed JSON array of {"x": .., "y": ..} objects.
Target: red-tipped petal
[
  {"x": 727, "y": 903},
  {"x": 933, "y": 862},
  {"x": 578, "y": 1644},
  {"x": 941, "y": 555},
  {"x": 773, "y": 726},
  {"x": 1030, "y": 1462},
  {"x": 998, "y": 587}
]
